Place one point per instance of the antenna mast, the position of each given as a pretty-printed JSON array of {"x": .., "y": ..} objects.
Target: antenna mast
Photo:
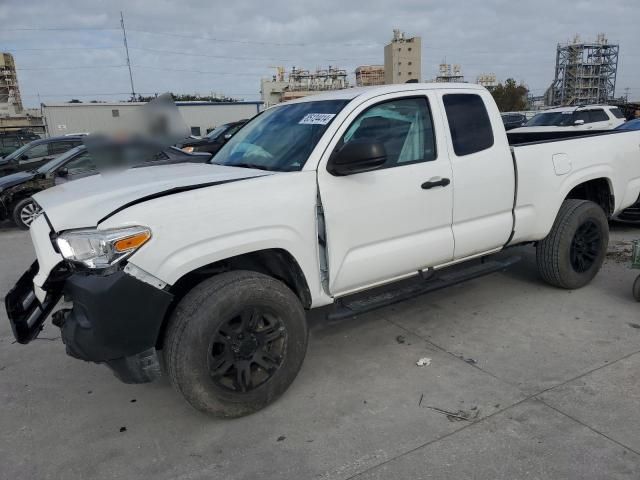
[{"x": 126, "y": 48}]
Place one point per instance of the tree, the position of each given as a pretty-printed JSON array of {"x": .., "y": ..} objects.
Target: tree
[
  {"x": 74, "y": 100},
  {"x": 510, "y": 97}
]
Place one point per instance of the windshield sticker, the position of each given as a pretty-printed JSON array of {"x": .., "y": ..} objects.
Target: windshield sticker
[{"x": 316, "y": 118}]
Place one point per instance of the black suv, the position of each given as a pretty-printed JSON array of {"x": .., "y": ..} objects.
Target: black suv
[
  {"x": 214, "y": 140},
  {"x": 37, "y": 153}
]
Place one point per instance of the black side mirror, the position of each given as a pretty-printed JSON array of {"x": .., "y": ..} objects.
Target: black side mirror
[
  {"x": 24, "y": 157},
  {"x": 357, "y": 157},
  {"x": 63, "y": 172}
]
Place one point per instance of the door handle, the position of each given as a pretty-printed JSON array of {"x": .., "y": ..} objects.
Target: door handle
[{"x": 436, "y": 182}]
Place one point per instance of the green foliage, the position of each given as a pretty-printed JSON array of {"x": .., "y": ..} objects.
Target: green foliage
[{"x": 510, "y": 97}]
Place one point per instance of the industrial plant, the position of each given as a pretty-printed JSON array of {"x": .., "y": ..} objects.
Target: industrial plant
[{"x": 585, "y": 72}]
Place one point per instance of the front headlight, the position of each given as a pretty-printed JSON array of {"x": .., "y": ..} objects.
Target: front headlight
[
  {"x": 187, "y": 149},
  {"x": 98, "y": 249}
]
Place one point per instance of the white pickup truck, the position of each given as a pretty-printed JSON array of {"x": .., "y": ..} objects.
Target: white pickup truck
[{"x": 356, "y": 198}]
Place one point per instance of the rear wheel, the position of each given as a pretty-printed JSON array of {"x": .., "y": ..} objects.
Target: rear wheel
[
  {"x": 573, "y": 252},
  {"x": 25, "y": 212},
  {"x": 235, "y": 343}
]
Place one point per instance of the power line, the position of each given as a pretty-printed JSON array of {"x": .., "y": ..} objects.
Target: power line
[{"x": 73, "y": 67}]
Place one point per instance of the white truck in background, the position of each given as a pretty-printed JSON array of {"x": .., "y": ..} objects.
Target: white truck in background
[{"x": 356, "y": 198}]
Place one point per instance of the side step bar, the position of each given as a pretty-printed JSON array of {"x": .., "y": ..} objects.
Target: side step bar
[{"x": 387, "y": 295}]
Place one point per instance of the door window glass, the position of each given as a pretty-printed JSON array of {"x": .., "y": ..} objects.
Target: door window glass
[
  {"x": 582, "y": 115},
  {"x": 404, "y": 127},
  {"x": 598, "y": 115},
  {"x": 56, "y": 148},
  {"x": 36, "y": 151},
  {"x": 80, "y": 164},
  {"x": 469, "y": 123}
]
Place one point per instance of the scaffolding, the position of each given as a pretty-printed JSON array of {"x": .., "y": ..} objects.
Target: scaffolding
[
  {"x": 585, "y": 72},
  {"x": 9, "y": 92}
]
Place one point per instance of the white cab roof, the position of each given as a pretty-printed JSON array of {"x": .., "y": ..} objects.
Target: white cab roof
[{"x": 368, "y": 92}]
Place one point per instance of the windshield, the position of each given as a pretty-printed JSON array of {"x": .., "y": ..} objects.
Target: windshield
[
  {"x": 59, "y": 160},
  {"x": 630, "y": 125},
  {"x": 213, "y": 134},
  {"x": 281, "y": 138},
  {"x": 558, "y": 119}
]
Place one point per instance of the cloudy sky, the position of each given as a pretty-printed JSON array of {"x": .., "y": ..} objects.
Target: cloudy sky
[{"x": 73, "y": 48}]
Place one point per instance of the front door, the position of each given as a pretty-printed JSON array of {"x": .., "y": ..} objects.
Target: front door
[{"x": 393, "y": 221}]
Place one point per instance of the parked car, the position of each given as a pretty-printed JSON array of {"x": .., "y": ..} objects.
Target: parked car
[
  {"x": 11, "y": 141},
  {"x": 513, "y": 120},
  {"x": 630, "y": 125},
  {"x": 214, "y": 139},
  {"x": 563, "y": 122},
  {"x": 17, "y": 189},
  {"x": 318, "y": 201},
  {"x": 37, "y": 153}
]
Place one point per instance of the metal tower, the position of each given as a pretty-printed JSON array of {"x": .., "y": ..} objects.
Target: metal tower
[{"x": 585, "y": 72}]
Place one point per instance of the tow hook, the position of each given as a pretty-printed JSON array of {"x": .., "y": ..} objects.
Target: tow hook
[{"x": 59, "y": 317}]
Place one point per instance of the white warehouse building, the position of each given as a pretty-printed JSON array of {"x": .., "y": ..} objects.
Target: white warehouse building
[{"x": 200, "y": 117}]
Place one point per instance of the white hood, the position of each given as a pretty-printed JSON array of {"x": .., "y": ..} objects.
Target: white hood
[{"x": 83, "y": 203}]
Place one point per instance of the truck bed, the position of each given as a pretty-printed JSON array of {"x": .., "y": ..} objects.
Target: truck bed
[{"x": 546, "y": 170}]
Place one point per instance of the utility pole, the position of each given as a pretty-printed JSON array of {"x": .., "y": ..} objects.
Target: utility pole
[{"x": 126, "y": 48}]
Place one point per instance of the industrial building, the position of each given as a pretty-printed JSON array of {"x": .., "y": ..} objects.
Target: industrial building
[
  {"x": 403, "y": 59},
  {"x": 200, "y": 117},
  {"x": 585, "y": 72},
  {"x": 448, "y": 73},
  {"x": 369, "y": 75},
  {"x": 10, "y": 101},
  {"x": 300, "y": 83},
  {"x": 13, "y": 117},
  {"x": 487, "y": 80}
]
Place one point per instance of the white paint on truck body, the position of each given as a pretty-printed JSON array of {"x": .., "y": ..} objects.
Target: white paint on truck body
[{"x": 380, "y": 225}]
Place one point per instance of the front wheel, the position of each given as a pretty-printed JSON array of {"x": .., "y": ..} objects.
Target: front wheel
[
  {"x": 25, "y": 212},
  {"x": 235, "y": 343},
  {"x": 573, "y": 252}
]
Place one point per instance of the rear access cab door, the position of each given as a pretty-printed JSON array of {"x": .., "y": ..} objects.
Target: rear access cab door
[
  {"x": 483, "y": 171},
  {"x": 393, "y": 221}
]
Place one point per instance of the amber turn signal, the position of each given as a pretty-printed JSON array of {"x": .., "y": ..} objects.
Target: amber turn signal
[{"x": 132, "y": 242}]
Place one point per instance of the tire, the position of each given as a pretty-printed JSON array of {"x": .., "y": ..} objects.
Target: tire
[
  {"x": 636, "y": 289},
  {"x": 25, "y": 212},
  {"x": 222, "y": 368},
  {"x": 573, "y": 252}
]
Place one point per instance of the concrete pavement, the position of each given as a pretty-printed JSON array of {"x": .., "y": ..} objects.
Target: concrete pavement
[{"x": 542, "y": 384}]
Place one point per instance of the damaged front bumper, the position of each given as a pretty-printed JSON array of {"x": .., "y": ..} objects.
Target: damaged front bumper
[{"x": 115, "y": 318}]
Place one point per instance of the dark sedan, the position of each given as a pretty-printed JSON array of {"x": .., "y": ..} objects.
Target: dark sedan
[
  {"x": 37, "y": 153},
  {"x": 17, "y": 189},
  {"x": 214, "y": 139}
]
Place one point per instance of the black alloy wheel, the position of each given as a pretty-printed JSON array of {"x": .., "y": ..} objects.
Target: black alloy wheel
[
  {"x": 585, "y": 246},
  {"x": 247, "y": 350}
]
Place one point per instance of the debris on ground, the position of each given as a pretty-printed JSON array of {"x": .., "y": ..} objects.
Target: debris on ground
[
  {"x": 400, "y": 339},
  {"x": 620, "y": 252},
  {"x": 459, "y": 416},
  {"x": 634, "y": 325},
  {"x": 424, "y": 362},
  {"x": 123, "y": 429},
  {"x": 471, "y": 361},
  {"x": 281, "y": 438}
]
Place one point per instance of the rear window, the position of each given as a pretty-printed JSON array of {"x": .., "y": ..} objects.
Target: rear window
[
  {"x": 616, "y": 112},
  {"x": 469, "y": 123}
]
